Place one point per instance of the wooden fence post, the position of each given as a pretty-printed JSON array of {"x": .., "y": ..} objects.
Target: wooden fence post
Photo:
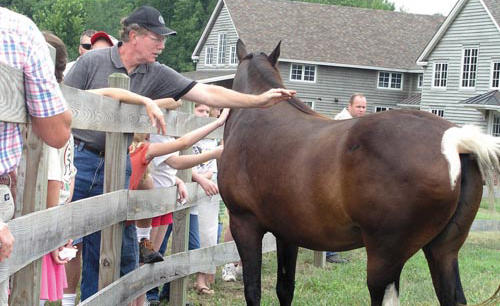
[
  {"x": 26, "y": 282},
  {"x": 319, "y": 259},
  {"x": 114, "y": 179},
  {"x": 180, "y": 235}
]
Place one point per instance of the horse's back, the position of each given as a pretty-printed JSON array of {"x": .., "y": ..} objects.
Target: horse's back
[{"x": 329, "y": 173}]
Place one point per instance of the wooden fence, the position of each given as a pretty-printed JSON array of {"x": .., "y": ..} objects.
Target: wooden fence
[{"x": 38, "y": 230}]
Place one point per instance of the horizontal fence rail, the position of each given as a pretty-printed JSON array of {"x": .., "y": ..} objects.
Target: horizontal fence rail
[
  {"x": 174, "y": 267},
  {"x": 43, "y": 231}
]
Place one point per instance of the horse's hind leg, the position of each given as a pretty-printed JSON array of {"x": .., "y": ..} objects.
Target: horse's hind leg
[
  {"x": 383, "y": 273},
  {"x": 287, "y": 259},
  {"x": 248, "y": 237},
  {"x": 442, "y": 251}
]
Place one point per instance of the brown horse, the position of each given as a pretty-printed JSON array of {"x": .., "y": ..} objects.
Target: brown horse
[{"x": 393, "y": 182}]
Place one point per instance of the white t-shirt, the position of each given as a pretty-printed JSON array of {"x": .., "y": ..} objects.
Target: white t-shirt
[
  {"x": 163, "y": 175},
  {"x": 202, "y": 146},
  {"x": 62, "y": 169}
]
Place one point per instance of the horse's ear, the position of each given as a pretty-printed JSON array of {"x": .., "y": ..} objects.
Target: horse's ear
[
  {"x": 241, "y": 49},
  {"x": 273, "y": 57}
]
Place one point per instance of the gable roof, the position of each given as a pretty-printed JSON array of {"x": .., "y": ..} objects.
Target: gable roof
[
  {"x": 329, "y": 34},
  {"x": 492, "y": 8}
]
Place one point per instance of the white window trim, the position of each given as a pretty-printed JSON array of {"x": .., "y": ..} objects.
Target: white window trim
[
  {"x": 462, "y": 69},
  {"x": 390, "y": 80},
  {"x": 303, "y": 72},
  {"x": 434, "y": 75},
  {"x": 380, "y": 106},
  {"x": 492, "y": 67},
  {"x": 206, "y": 55},
  {"x": 231, "y": 54},
  {"x": 218, "y": 49},
  {"x": 437, "y": 111},
  {"x": 313, "y": 104},
  {"x": 419, "y": 86}
]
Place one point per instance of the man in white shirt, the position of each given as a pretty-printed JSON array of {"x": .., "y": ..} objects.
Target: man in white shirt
[{"x": 355, "y": 109}]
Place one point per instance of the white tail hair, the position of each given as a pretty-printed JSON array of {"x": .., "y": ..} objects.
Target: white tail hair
[
  {"x": 391, "y": 296},
  {"x": 470, "y": 139}
]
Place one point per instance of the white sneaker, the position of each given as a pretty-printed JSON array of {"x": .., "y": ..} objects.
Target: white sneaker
[
  {"x": 229, "y": 273},
  {"x": 239, "y": 271}
]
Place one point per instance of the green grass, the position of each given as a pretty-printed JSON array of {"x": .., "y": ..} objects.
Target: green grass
[
  {"x": 485, "y": 213},
  {"x": 345, "y": 284}
]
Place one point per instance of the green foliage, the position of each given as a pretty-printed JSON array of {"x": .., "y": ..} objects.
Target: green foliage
[
  {"x": 372, "y": 4},
  {"x": 65, "y": 18},
  {"x": 68, "y": 18},
  {"x": 105, "y": 15}
]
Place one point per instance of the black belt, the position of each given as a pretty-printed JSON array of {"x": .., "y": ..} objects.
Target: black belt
[{"x": 88, "y": 147}]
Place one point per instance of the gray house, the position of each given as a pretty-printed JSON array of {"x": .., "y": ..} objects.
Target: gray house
[
  {"x": 327, "y": 53},
  {"x": 462, "y": 66}
]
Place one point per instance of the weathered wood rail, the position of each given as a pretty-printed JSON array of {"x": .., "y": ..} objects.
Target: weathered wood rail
[{"x": 38, "y": 230}]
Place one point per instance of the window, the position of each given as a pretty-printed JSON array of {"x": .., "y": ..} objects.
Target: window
[
  {"x": 469, "y": 68},
  {"x": 232, "y": 56},
  {"x": 382, "y": 108},
  {"x": 438, "y": 112},
  {"x": 391, "y": 80},
  {"x": 209, "y": 56},
  {"x": 221, "y": 47},
  {"x": 440, "y": 75},
  {"x": 495, "y": 75},
  {"x": 495, "y": 131},
  {"x": 301, "y": 72},
  {"x": 309, "y": 103},
  {"x": 420, "y": 81}
]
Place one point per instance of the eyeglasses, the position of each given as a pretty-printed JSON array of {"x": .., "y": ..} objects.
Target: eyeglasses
[
  {"x": 86, "y": 46},
  {"x": 161, "y": 39}
]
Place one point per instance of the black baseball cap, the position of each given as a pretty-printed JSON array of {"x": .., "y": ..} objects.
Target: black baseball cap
[{"x": 149, "y": 18}]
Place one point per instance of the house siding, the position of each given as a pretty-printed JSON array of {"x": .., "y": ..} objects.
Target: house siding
[
  {"x": 471, "y": 28},
  {"x": 340, "y": 83},
  {"x": 223, "y": 24}
]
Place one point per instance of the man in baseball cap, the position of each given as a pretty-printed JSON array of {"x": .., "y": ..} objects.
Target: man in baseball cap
[{"x": 149, "y": 18}]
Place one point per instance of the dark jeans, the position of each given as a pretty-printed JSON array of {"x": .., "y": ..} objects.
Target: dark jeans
[
  {"x": 194, "y": 243},
  {"x": 88, "y": 183}
]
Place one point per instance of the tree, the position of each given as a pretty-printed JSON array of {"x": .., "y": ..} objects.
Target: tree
[{"x": 65, "y": 18}]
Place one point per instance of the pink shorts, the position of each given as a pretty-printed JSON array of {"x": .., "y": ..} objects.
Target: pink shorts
[{"x": 161, "y": 220}]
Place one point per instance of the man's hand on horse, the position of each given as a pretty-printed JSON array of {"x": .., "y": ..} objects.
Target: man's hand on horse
[{"x": 276, "y": 95}]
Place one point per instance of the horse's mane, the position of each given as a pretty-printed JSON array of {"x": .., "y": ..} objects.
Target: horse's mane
[{"x": 276, "y": 82}]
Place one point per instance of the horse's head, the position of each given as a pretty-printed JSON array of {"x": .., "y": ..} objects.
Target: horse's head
[{"x": 256, "y": 72}]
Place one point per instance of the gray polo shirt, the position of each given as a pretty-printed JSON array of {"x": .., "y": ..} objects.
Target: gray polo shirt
[{"x": 153, "y": 80}]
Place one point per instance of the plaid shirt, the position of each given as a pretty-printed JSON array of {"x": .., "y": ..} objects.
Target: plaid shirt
[{"x": 24, "y": 48}]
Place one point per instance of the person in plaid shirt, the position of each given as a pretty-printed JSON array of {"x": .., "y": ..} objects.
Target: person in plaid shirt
[{"x": 24, "y": 48}]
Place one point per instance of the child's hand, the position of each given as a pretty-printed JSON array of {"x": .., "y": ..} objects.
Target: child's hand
[
  {"x": 218, "y": 151},
  {"x": 182, "y": 193},
  {"x": 223, "y": 116},
  {"x": 208, "y": 186}
]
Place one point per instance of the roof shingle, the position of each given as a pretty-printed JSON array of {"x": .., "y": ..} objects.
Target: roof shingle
[{"x": 333, "y": 34}]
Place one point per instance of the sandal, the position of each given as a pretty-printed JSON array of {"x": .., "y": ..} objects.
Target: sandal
[{"x": 205, "y": 291}]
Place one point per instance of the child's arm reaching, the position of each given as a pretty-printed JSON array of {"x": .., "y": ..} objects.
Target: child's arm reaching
[
  {"x": 188, "y": 161},
  {"x": 186, "y": 141},
  {"x": 208, "y": 186},
  {"x": 152, "y": 109},
  {"x": 168, "y": 103}
]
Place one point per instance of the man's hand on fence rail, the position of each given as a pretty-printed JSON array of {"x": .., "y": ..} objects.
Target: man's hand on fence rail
[{"x": 6, "y": 241}]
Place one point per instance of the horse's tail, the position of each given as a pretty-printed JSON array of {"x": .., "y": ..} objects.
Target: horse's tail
[{"x": 470, "y": 139}]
